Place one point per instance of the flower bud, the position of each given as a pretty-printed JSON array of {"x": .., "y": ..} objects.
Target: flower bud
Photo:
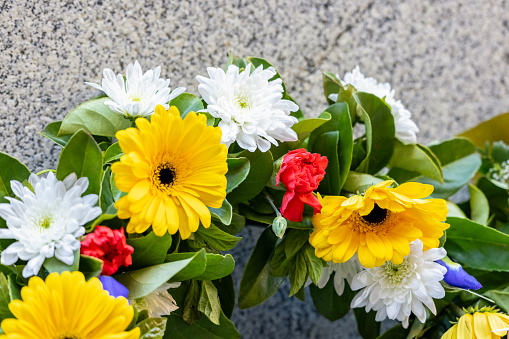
[
  {"x": 457, "y": 277},
  {"x": 279, "y": 226}
]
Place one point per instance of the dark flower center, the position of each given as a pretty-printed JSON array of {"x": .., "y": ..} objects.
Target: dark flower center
[
  {"x": 377, "y": 215},
  {"x": 166, "y": 176}
]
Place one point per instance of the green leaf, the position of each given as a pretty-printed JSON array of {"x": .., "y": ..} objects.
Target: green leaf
[
  {"x": 491, "y": 130},
  {"x": 396, "y": 332},
  {"x": 54, "y": 265},
  {"x": 294, "y": 242},
  {"x": 194, "y": 268},
  {"x": 380, "y": 131},
  {"x": 216, "y": 238},
  {"x": 177, "y": 328},
  {"x": 190, "y": 311},
  {"x": 326, "y": 144},
  {"x": 304, "y": 127},
  {"x": 477, "y": 246},
  {"x": 279, "y": 264},
  {"x": 416, "y": 158},
  {"x": 94, "y": 117},
  {"x": 51, "y": 132},
  {"x": 218, "y": 266},
  {"x": 113, "y": 153},
  {"x": 258, "y": 283},
  {"x": 152, "y": 328},
  {"x": 146, "y": 280},
  {"x": 209, "y": 302},
  {"x": 11, "y": 169},
  {"x": 233, "y": 60},
  {"x": 90, "y": 267},
  {"x": 327, "y": 301},
  {"x": 453, "y": 210},
  {"x": 459, "y": 162},
  {"x": 331, "y": 85},
  {"x": 5, "y": 298},
  {"x": 298, "y": 273},
  {"x": 501, "y": 297},
  {"x": 187, "y": 102},
  {"x": 226, "y": 294},
  {"x": 14, "y": 287},
  {"x": 500, "y": 151},
  {"x": 105, "y": 196},
  {"x": 149, "y": 250},
  {"x": 236, "y": 225},
  {"x": 82, "y": 156},
  {"x": 258, "y": 176},
  {"x": 224, "y": 213},
  {"x": 238, "y": 169},
  {"x": 479, "y": 206},
  {"x": 366, "y": 325},
  {"x": 313, "y": 263},
  {"x": 359, "y": 182}
]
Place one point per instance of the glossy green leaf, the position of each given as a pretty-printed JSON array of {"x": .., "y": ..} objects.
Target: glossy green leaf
[
  {"x": 51, "y": 132},
  {"x": 217, "y": 267},
  {"x": 453, "y": 210},
  {"x": 190, "y": 313},
  {"x": 90, "y": 267},
  {"x": 416, "y": 158},
  {"x": 479, "y": 206},
  {"x": 82, "y": 156},
  {"x": 209, "y": 303},
  {"x": 14, "y": 287},
  {"x": 236, "y": 225},
  {"x": 494, "y": 129},
  {"x": 234, "y": 60},
  {"x": 331, "y": 85},
  {"x": 499, "y": 152},
  {"x": 226, "y": 293},
  {"x": 4, "y": 298},
  {"x": 194, "y": 268},
  {"x": 152, "y": 328},
  {"x": 501, "y": 297},
  {"x": 326, "y": 144},
  {"x": 258, "y": 176},
  {"x": 187, "y": 102},
  {"x": 298, "y": 273},
  {"x": 258, "y": 283},
  {"x": 294, "y": 242},
  {"x": 216, "y": 238},
  {"x": 238, "y": 169},
  {"x": 359, "y": 182},
  {"x": 224, "y": 213},
  {"x": 149, "y": 250},
  {"x": 366, "y": 325},
  {"x": 94, "y": 117},
  {"x": 54, "y": 265},
  {"x": 177, "y": 328},
  {"x": 313, "y": 263},
  {"x": 477, "y": 246},
  {"x": 10, "y": 169},
  {"x": 304, "y": 127},
  {"x": 113, "y": 153},
  {"x": 327, "y": 301},
  {"x": 146, "y": 280}
]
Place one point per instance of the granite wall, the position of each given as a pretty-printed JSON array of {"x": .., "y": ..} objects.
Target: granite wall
[{"x": 447, "y": 60}]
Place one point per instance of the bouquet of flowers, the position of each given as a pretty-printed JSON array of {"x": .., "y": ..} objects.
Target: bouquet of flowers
[{"x": 126, "y": 238}]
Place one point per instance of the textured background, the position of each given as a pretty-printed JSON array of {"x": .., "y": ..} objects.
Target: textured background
[{"x": 447, "y": 60}]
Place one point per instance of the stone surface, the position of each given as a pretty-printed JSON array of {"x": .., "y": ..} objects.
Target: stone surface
[{"x": 447, "y": 60}]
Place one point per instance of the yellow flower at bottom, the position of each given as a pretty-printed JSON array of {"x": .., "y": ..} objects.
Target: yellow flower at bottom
[
  {"x": 479, "y": 324},
  {"x": 67, "y": 306},
  {"x": 378, "y": 226},
  {"x": 173, "y": 168}
]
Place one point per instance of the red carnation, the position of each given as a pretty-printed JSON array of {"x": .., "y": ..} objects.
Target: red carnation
[
  {"x": 109, "y": 246},
  {"x": 301, "y": 173}
]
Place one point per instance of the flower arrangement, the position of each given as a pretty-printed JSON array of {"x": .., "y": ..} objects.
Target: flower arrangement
[{"x": 126, "y": 237}]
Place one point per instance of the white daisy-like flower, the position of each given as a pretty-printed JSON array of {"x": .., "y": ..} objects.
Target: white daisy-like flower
[
  {"x": 406, "y": 129},
  {"x": 139, "y": 94},
  {"x": 159, "y": 302},
  {"x": 396, "y": 291},
  {"x": 343, "y": 271},
  {"x": 250, "y": 107},
  {"x": 46, "y": 222}
]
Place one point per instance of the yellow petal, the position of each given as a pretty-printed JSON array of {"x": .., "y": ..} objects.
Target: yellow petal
[{"x": 481, "y": 326}]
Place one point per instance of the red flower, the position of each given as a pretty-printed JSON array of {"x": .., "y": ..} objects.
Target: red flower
[
  {"x": 301, "y": 173},
  {"x": 109, "y": 246}
]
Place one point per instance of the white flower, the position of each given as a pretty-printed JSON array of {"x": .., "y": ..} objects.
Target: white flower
[
  {"x": 46, "y": 223},
  {"x": 396, "y": 291},
  {"x": 406, "y": 128},
  {"x": 250, "y": 107},
  {"x": 346, "y": 270},
  {"x": 139, "y": 94},
  {"x": 159, "y": 302}
]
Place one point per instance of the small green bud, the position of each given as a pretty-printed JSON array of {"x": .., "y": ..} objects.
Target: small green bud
[{"x": 279, "y": 226}]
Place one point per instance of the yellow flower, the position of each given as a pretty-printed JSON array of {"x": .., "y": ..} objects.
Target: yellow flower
[
  {"x": 173, "y": 168},
  {"x": 67, "y": 306},
  {"x": 380, "y": 225},
  {"x": 486, "y": 323}
]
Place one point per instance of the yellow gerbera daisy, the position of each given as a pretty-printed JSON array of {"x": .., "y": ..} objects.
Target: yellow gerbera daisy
[
  {"x": 173, "y": 168},
  {"x": 67, "y": 306},
  {"x": 379, "y": 225},
  {"x": 486, "y": 323}
]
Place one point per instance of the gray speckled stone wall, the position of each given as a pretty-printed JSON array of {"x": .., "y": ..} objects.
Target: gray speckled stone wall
[{"x": 447, "y": 60}]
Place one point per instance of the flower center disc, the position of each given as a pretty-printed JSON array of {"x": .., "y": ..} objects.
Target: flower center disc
[
  {"x": 166, "y": 176},
  {"x": 376, "y": 216}
]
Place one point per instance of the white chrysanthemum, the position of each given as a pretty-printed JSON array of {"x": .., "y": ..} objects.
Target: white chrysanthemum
[
  {"x": 159, "y": 302},
  {"x": 396, "y": 291},
  {"x": 139, "y": 94},
  {"x": 406, "y": 129},
  {"x": 250, "y": 107},
  {"x": 45, "y": 223},
  {"x": 343, "y": 271}
]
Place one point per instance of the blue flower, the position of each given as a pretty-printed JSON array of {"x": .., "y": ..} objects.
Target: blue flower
[
  {"x": 114, "y": 288},
  {"x": 457, "y": 277}
]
